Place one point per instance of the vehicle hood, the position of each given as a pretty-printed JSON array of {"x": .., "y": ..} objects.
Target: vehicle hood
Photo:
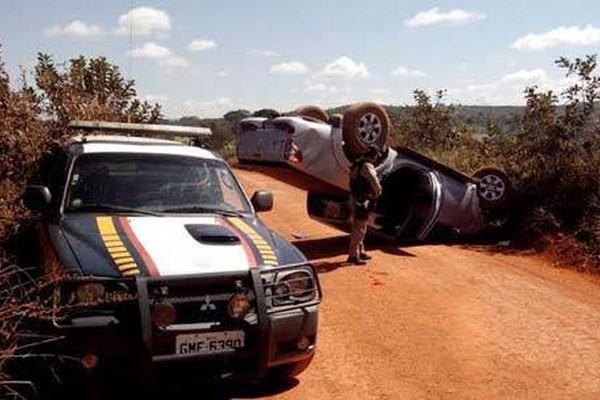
[{"x": 167, "y": 246}]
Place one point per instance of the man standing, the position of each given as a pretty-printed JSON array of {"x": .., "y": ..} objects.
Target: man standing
[{"x": 365, "y": 189}]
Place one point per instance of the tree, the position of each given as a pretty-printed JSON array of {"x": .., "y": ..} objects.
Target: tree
[
  {"x": 429, "y": 124},
  {"x": 266, "y": 113},
  {"x": 90, "y": 89}
]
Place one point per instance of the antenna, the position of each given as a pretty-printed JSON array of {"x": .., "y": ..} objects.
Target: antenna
[
  {"x": 130, "y": 40},
  {"x": 130, "y": 68}
]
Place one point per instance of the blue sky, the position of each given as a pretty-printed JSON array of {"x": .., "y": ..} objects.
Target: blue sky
[{"x": 207, "y": 57}]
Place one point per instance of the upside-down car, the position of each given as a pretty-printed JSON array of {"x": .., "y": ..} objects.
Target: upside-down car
[{"x": 421, "y": 197}]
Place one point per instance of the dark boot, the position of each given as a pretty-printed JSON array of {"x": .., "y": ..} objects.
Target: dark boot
[{"x": 356, "y": 261}]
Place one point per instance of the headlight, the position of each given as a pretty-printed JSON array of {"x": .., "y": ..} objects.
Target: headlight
[
  {"x": 90, "y": 293},
  {"x": 293, "y": 286},
  {"x": 238, "y": 306},
  {"x": 164, "y": 314}
]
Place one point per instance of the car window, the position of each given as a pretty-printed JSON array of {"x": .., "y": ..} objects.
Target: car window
[{"x": 152, "y": 182}]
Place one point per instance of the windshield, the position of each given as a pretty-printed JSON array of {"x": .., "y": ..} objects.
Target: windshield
[{"x": 120, "y": 182}]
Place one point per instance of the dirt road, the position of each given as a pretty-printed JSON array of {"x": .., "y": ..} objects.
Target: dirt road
[{"x": 440, "y": 321}]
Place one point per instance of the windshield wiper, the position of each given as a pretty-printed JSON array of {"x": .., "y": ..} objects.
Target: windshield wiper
[
  {"x": 200, "y": 209},
  {"x": 114, "y": 207}
]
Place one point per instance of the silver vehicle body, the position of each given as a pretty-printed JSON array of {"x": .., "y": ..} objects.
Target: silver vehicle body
[
  {"x": 419, "y": 194},
  {"x": 255, "y": 142}
]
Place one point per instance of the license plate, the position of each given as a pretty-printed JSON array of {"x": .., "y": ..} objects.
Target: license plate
[{"x": 209, "y": 343}]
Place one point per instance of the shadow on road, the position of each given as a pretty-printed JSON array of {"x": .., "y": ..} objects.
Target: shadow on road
[{"x": 318, "y": 249}]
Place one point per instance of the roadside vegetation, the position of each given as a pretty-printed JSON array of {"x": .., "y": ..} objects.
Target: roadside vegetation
[
  {"x": 551, "y": 154},
  {"x": 33, "y": 119}
]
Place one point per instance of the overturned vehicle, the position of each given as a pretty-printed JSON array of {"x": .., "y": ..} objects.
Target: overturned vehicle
[{"x": 421, "y": 198}]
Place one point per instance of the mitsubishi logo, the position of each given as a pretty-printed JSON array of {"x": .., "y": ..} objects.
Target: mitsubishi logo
[{"x": 208, "y": 305}]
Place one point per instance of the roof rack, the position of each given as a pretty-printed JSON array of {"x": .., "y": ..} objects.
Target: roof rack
[{"x": 141, "y": 129}]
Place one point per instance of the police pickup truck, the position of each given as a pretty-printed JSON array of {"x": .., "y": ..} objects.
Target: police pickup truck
[{"x": 162, "y": 261}]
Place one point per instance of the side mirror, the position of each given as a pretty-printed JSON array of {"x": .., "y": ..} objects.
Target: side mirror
[
  {"x": 262, "y": 200},
  {"x": 37, "y": 197}
]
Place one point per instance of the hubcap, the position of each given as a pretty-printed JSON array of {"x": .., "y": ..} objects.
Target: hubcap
[
  {"x": 369, "y": 128},
  {"x": 491, "y": 187}
]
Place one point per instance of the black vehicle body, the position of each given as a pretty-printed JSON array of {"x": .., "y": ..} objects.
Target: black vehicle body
[{"x": 138, "y": 291}]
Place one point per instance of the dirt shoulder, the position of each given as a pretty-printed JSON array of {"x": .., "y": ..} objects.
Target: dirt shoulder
[{"x": 440, "y": 321}]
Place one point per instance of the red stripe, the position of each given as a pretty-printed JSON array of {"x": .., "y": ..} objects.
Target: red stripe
[
  {"x": 152, "y": 270},
  {"x": 247, "y": 249}
]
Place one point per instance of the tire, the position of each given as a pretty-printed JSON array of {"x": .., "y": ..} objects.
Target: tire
[
  {"x": 288, "y": 371},
  {"x": 365, "y": 124},
  {"x": 493, "y": 189},
  {"x": 313, "y": 112}
]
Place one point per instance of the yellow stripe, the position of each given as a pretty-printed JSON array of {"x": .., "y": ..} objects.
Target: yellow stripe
[
  {"x": 119, "y": 254},
  {"x": 266, "y": 251},
  {"x": 131, "y": 272},
  {"x": 112, "y": 243},
  {"x": 124, "y": 261},
  {"x": 106, "y": 226},
  {"x": 126, "y": 266},
  {"x": 119, "y": 249}
]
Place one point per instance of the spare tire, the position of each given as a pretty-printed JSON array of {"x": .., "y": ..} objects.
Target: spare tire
[
  {"x": 314, "y": 112},
  {"x": 365, "y": 124},
  {"x": 493, "y": 188}
]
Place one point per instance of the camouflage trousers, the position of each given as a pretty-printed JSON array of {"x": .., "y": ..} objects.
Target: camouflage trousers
[{"x": 357, "y": 236}]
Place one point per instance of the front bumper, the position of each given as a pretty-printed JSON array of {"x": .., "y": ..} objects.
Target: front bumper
[{"x": 274, "y": 336}]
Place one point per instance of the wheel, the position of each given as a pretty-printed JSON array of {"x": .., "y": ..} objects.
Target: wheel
[
  {"x": 493, "y": 188},
  {"x": 287, "y": 371},
  {"x": 313, "y": 112},
  {"x": 365, "y": 124}
]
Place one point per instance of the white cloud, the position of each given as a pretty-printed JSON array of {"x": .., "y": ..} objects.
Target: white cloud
[
  {"x": 144, "y": 21},
  {"x": 156, "y": 98},
  {"x": 202, "y": 45},
  {"x": 290, "y": 68},
  {"x": 436, "y": 16},
  {"x": 151, "y": 50},
  {"x": 75, "y": 29},
  {"x": 407, "y": 72},
  {"x": 318, "y": 87},
  {"x": 207, "y": 108},
  {"x": 344, "y": 68},
  {"x": 567, "y": 36},
  {"x": 172, "y": 62},
  {"x": 526, "y": 77},
  {"x": 222, "y": 73},
  {"x": 161, "y": 54},
  {"x": 262, "y": 53},
  {"x": 379, "y": 91},
  {"x": 506, "y": 90}
]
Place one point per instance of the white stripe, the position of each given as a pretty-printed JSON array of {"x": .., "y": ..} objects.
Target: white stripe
[{"x": 176, "y": 252}]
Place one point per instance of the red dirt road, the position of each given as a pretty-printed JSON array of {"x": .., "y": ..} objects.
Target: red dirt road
[{"x": 440, "y": 321}]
